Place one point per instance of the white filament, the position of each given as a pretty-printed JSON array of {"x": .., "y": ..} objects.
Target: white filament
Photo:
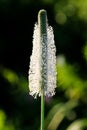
[{"x": 43, "y": 64}]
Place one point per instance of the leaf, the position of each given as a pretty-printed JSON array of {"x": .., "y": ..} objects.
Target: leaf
[
  {"x": 57, "y": 114},
  {"x": 78, "y": 124}
]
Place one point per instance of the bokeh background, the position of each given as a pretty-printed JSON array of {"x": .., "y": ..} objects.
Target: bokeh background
[{"x": 67, "y": 110}]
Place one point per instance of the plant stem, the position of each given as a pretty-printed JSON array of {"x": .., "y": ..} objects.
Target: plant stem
[
  {"x": 42, "y": 22},
  {"x": 42, "y": 111}
]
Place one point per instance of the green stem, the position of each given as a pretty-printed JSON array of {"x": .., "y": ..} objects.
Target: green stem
[
  {"x": 42, "y": 22},
  {"x": 42, "y": 111}
]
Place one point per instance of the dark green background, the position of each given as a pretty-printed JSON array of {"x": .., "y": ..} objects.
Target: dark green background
[{"x": 18, "y": 110}]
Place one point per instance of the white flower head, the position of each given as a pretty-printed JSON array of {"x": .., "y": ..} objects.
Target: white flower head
[{"x": 42, "y": 71}]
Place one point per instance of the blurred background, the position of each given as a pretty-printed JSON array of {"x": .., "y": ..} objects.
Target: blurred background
[{"x": 67, "y": 110}]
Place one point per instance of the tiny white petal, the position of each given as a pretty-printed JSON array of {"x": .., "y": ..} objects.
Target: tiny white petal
[{"x": 43, "y": 64}]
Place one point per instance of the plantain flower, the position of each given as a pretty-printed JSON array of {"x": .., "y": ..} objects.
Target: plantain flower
[{"x": 42, "y": 70}]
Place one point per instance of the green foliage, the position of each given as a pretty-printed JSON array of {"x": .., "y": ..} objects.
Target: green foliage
[
  {"x": 4, "y": 124},
  {"x": 69, "y": 80},
  {"x": 78, "y": 125},
  {"x": 58, "y": 113},
  {"x": 85, "y": 52}
]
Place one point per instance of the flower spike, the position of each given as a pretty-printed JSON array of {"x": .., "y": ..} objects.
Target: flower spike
[{"x": 42, "y": 71}]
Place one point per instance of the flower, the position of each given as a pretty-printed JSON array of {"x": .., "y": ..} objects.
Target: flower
[{"x": 42, "y": 71}]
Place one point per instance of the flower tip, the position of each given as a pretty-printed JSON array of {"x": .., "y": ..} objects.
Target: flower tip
[{"x": 42, "y": 12}]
